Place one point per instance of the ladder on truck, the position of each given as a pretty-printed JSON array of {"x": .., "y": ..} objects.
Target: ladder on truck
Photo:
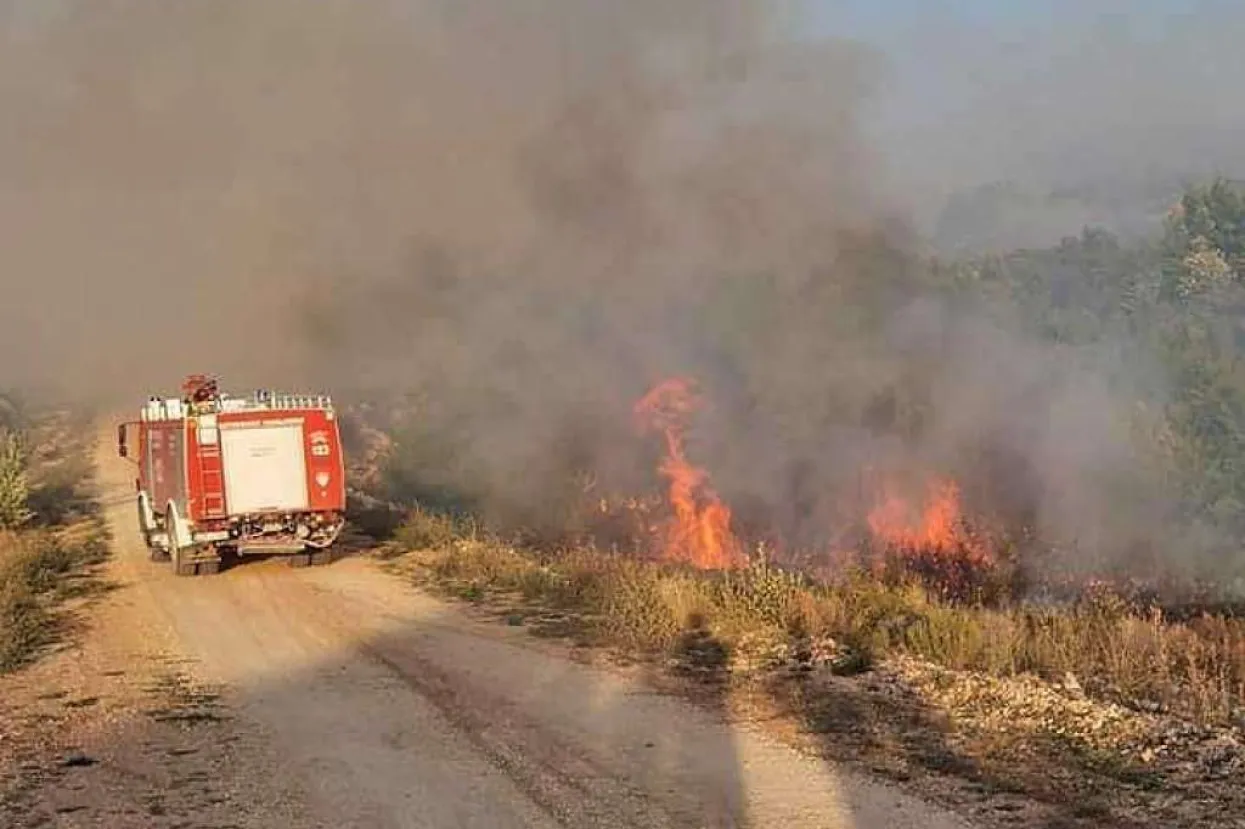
[{"x": 212, "y": 479}]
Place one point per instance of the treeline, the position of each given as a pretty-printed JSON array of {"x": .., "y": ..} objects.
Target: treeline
[
  {"x": 1088, "y": 397},
  {"x": 1164, "y": 316}
]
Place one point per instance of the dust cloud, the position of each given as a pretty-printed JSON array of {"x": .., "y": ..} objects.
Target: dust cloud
[{"x": 516, "y": 217}]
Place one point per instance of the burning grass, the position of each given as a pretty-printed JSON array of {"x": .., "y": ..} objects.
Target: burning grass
[
  {"x": 925, "y": 583},
  {"x": 928, "y": 606}
]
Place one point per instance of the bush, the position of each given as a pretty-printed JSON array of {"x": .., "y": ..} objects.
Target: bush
[
  {"x": 14, "y": 481},
  {"x": 32, "y": 566},
  {"x": 426, "y": 530},
  {"x": 21, "y": 628}
]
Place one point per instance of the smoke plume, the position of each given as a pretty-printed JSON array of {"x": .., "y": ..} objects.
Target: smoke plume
[
  {"x": 1038, "y": 118},
  {"x": 519, "y": 217}
]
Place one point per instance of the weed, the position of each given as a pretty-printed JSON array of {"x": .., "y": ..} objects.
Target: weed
[{"x": 1119, "y": 651}]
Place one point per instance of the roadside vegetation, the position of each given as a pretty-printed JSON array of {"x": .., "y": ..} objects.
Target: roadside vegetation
[
  {"x": 1115, "y": 700},
  {"x": 50, "y": 537},
  {"x": 762, "y": 615},
  {"x": 1094, "y": 712},
  {"x": 1175, "y": 297}
]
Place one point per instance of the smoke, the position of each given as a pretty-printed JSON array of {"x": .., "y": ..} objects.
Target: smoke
[
  {"x": 1091, "y": 112},
  {"x": 519, "y": 216}
]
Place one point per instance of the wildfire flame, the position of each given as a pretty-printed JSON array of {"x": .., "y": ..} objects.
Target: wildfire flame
[
  {"x": 935, "y": 533},
  {"x": 927, "y": 536},
  {"x": 699, "y": 532}
]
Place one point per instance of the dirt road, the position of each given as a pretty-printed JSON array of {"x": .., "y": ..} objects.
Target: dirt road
[{"x": 340, "y": 696}]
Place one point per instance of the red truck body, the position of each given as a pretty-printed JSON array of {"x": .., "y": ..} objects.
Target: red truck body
[{"x": 223, "y": 474}]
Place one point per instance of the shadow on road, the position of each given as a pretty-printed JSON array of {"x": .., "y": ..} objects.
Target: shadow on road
[{"x": 379, "y": 706}]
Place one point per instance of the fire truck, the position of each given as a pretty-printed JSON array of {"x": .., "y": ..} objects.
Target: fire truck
[{"x": 221, "y": 475}]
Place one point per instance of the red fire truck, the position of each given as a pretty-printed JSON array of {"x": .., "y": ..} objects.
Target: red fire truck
[{"x": 220, "y": 474}]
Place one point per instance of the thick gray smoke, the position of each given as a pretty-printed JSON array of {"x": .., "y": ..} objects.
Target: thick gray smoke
[{"x": 522, "y": 215}]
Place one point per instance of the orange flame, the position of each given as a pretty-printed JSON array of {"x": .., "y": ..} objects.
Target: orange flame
[
  {"x": 699, "y": 533},
  {"x": 936, "y": 531}
]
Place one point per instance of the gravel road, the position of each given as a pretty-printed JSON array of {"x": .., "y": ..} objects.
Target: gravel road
[{"x": 341, "y": 696}]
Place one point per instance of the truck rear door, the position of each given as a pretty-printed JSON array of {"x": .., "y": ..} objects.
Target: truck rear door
[{"x": 265, "y": 466}]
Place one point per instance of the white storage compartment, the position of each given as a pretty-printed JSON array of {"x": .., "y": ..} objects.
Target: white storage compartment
[{"x": 265, "y": 468}]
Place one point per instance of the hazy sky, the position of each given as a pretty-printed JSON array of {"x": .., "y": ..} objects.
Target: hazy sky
[{"x": 1051, "y": 92}]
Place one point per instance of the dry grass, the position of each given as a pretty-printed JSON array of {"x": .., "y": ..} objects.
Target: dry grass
[
  {"x": 36, "y": 570},
  {"x": 962, "y": 702},
  {"x": 50, "y": 533},
  {"x": 1118, "y": 652}
]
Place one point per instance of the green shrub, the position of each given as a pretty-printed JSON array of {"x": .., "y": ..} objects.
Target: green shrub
[
  {"x": 14, "y": 481},
  {"x": 32, "y": 566}
]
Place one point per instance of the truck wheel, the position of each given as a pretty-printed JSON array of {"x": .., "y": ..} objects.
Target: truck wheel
[
  {"x": 185, "y": 564},
  {"x": 181, "y": 566},
  {"x": 144, "y": 518},
  {"x": 178, "y": 543}
]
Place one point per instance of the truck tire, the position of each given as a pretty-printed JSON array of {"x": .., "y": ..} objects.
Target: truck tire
[
  {"x": 179, "y": 545},
  {"x": 146, "y": 521},
  {"x": 148, "y": 526},
  {"x": 184, "y": 564},
  {"x": 183, "y": 567}
]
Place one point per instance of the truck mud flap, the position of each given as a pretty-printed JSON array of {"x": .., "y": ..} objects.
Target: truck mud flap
[
  {"x": 199, "y": 568},
  {"x": 191, "y": 562},
  {"x": 312, "y": 558}
]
